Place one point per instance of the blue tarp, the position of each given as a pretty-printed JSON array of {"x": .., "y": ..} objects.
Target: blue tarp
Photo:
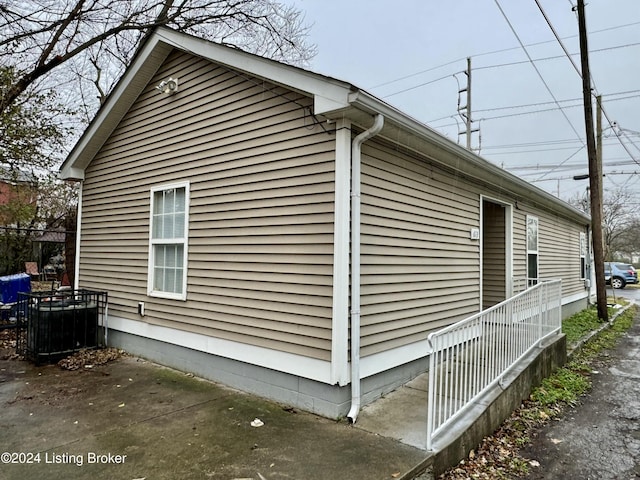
[{"x": 11, "y": 285}]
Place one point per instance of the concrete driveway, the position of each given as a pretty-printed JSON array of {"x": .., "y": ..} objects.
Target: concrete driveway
[{"x": 131, "y": 419}]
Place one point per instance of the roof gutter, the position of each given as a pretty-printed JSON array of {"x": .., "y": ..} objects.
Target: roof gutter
[
  {"x": 476, "y": 166},
  {"x": 355, "y": 262}
]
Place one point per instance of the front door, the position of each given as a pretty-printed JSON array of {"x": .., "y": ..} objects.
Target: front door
[{"x": 496, "y": 257}]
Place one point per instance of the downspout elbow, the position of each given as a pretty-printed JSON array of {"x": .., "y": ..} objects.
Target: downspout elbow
[{"x": 355, "y": 262}]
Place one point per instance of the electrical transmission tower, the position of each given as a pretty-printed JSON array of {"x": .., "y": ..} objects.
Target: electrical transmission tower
[{"x": 465, "y": 111}]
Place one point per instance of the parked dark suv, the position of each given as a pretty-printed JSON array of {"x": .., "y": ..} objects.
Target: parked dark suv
[{"x": 619, "y": 274}]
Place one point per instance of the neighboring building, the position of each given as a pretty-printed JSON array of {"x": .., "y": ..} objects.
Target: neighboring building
[
  {"x": 218, "y": 215},
  {"x": 17, "y": 193}
]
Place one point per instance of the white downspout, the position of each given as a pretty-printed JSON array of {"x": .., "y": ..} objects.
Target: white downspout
[
  {"x": 76, "y": 275},
  {"x": 355, "y": 263}
]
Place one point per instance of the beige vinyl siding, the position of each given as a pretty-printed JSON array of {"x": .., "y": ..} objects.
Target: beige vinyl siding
[
  {"x": 493, "y": 255},
  {"x": 420, "y": 269},
  {"x": 558, "y": 249},
  {"x": 559, "y": 253},
  {"x": 261, "y": 173}
]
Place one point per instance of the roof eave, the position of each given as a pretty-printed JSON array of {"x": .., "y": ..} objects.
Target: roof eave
[
  {"x": 329, "y": 94},
  {"x": 418, "y": 136},
  {"x": 133, "y": 82}
]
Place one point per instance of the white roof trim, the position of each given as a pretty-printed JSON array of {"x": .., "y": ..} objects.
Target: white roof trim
[
  {"x": 472, "y": 165},
  {"x": 329, "y": 94},
  {"x": 333, "y": 98}
]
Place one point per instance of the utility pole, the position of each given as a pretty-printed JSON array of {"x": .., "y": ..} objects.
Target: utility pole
[
  {"x": 466, "y": 114},
  {"x": 599, "y": 130},
  {"x": 595, "y": 170}
]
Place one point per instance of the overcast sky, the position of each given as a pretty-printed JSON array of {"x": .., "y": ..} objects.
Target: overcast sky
[{"x": 411, "y": 53}]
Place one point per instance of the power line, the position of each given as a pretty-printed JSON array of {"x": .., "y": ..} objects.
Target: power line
[
  {"x": 629, "y": 139},
  {"x": 497, "y": 117},
  {"x": 417, "y": 86},
  {"x": 563, "y": 162},
  {"x": 536, "y": 68},
  {"x": 571, "y": 166},
  {"x": 414, "y": 74},
  {"x": 493, "y": 52},
  {"x": 555, "y": 57},
  {"x": 511, "y": 107},
  {"x": 519, "y": 152},
  {"x": 551, "y": 41},
  {"x": 561, "y": 101},
  {"x": 486, "y": 67},
  {"x": 617, "y": 136},
  {"x": 581, "y": 76},
  {"x": 570, "y": 177}
]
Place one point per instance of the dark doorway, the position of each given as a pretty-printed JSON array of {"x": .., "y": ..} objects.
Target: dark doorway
[{"x": 494, "y": 253}]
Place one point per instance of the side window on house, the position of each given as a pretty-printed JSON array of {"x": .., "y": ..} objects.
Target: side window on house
[
  {"x": 532, "y": 250},
  {"x": 583, "y": 255},
  {"x": 169, "y": 226}
]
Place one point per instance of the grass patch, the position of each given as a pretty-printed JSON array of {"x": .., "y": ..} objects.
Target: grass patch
[
  {"x": 564, "y": 386},
  {"x": 580, "y": 324},
  {"x": 572, "y": 381}
]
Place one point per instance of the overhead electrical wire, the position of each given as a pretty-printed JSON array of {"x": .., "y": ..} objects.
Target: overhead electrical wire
[
  {"x": 555, "y": 57},
  {"x": 486, "y": 67},
  {"x": 624, "y": 162},
  {"x": 542, "y": 110},
  {"x": 606, "y": 116},
  {"x": 579, "y": 71},
  {"x": 532, "y": 61},
  {"x": 512, "y": 107},
  {"x": 536, "y": 69},
  {"x": 564, "y": 114},
  {"x": 537, "y": 150},
  {"x": 508, "y": 107},
  {"x": 493, "y": 52},
  {"x": 417, "y": 86}
]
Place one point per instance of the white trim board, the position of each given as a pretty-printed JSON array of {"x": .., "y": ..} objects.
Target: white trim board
[
  {"x": 340, "y": 372},
  {"x": 575, "y": 297}
]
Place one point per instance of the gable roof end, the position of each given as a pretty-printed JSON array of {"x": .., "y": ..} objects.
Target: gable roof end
[
  {"x": 334, "y": 99},
  {"x": 328, "y": 93}
]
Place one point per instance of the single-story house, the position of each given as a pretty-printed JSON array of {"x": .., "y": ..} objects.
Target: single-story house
[{"x": 291, "y": 235}]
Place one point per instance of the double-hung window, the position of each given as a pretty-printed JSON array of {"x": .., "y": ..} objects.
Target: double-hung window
[
  {"x": 532, "y": 250},
  {"x": 168, "y": 241},
  {"x": 583, "y": 255}
]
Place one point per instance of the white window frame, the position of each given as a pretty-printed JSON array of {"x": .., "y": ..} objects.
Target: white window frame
[
  {"x": 184, "y": 240},
  {"x": 530, "y": 280}
]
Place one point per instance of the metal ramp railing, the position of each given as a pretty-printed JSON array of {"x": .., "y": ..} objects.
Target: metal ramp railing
[{"x": 471, "y": 356}]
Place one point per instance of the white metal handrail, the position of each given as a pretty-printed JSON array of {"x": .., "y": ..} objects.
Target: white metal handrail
[{"x": 471, "y": 356}]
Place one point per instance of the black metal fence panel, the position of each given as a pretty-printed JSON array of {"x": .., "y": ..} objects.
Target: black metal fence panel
[{"x": 52, "y": 325}]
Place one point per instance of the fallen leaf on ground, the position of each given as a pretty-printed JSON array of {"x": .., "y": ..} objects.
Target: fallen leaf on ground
[{"x": 90, "y": 358}]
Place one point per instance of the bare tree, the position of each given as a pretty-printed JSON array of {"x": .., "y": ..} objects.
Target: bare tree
[
  {"x": 628, "y": 243},
  {"x": 97, "y": 39},
  {"x": 618, "y": 216},
  {"x": 31, "y": 130}
]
